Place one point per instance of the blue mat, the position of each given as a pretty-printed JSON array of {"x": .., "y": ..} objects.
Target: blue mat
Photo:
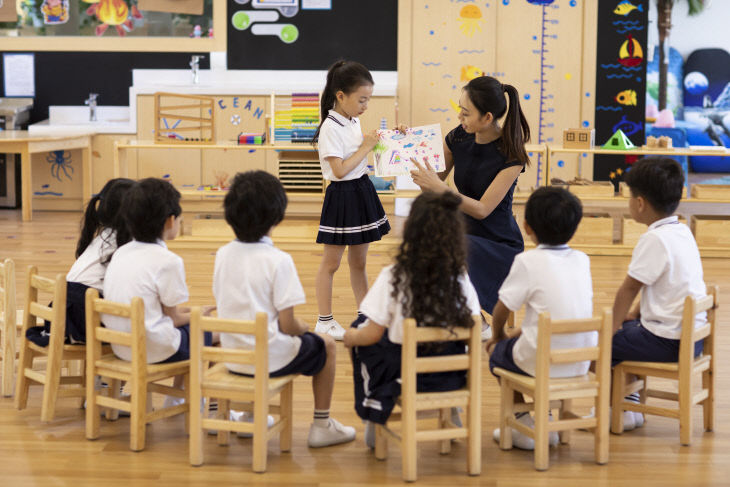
[{"x": 722, "y": 180}]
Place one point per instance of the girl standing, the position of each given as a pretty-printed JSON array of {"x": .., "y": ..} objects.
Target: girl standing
[
  {"x": 487, "y": 159},
  {"x": 352, "y": 215}
]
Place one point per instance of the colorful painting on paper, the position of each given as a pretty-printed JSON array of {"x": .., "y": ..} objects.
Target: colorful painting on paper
[
  {"x": 395, "y": 149},
  {"x": 55, "y": 12}
]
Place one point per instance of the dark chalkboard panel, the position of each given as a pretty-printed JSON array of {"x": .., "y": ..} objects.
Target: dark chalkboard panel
[{"x": 358, "y": 30}]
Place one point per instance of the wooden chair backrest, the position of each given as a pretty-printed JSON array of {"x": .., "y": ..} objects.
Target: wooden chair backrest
[
  {"x": 96, "y": 334},
  {"x": 258, "y": 358},
  {"x": 411, "y": 364},
  {"x": 690, "y": 335},
  {"x": 600, "y": 353},
  {"x": 7, "y": 295},
  {"x": 55, "y": 314}
]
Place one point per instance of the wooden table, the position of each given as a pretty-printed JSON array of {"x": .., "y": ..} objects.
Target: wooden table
[{"x": 23, "y": 143}]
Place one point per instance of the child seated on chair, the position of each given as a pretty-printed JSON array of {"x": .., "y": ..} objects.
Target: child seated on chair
[
  {"x": 551, "y": 278},
  {"x": 429, "y": 283},
  {"x": 251, "y": 276},
  {"x": 144, "y": 267},
  {"x": 665, "y": 267}
]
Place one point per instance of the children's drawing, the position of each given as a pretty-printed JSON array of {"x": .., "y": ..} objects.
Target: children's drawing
[
  {"x": 395, "y": 149},
  {"x": 54, "y": 11},
  {"x": 288, "y": 8},
  {"x": 60, "y": 161},
  {"x": 113, "y": 12}
]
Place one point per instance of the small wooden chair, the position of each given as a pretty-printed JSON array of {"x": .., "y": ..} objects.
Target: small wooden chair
[
  {"x": 56, "y": 352},
  {"x": 218, "y": 382},
  {"x": 8, "y": 328},
  {"x": 550, "y": 392},
  {"x": 684, "y": 372},
  {"x": 412, "y": 402},
  {"x": 142, "y": 377}
]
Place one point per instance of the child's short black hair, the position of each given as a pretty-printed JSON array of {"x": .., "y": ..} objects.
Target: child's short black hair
[
  {"x": 147, "y": 205},
  {"x": 659, "y": 180},
  {"x": 256, "y": 201},
  {"x": 553, "y": 214}
]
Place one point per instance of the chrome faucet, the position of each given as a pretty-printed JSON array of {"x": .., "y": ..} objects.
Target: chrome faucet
[
  {"x": 195, "y": 67},
  {"x": 91, "y": 102}
]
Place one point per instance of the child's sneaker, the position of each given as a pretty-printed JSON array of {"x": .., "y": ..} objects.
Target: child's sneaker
[
  {"x": 638, "y": 419},
  {"x": 332, "y": 434},
  {"x": 248, "y": 418},
  {"x": 553, "y": 436},
  {"x": 331, "y": 328},
  {"x": 486, "y": 332},
  {"x": 171, "y": 401},
  {"x": 519, "y": 440}
]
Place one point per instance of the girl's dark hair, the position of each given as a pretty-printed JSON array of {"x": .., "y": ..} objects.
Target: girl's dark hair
[
  {"x": 103, "y": 211},
  {"x": 487, "y": 95},
  {"x": 147, "y": 206},
  {"x": 344, "y": 76},
  {"x": 430, "y": 261}
]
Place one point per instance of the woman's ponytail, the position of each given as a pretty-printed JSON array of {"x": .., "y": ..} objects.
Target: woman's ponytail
[{"x": 516, "y": 131}]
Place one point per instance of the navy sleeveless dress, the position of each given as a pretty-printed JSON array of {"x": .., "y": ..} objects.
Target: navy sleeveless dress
[{"x": 495, "y": 240}]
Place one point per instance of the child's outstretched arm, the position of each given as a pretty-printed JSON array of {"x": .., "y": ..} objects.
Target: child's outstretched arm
[
  {"x": 499, "y": 318},
  {"x": 364, "y": 336},
  {"x": 180, "y": 314},
  {"x": 624, "y": 298},
  {"x": 341, "y": 167},
  {"x": 290, "y": 324}
]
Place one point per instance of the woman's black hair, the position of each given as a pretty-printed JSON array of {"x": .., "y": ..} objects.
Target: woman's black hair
[
  {"x": 487, "y": 95},
  {"x": 103, "y": 211},
  {"x": 344, "y": 76},
  {"x": 430, "y": 261}
]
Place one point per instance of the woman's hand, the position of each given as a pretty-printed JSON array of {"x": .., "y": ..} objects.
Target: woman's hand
[
  {"x": 427, "y": 178},
  {"x": 370, "y": 140}
]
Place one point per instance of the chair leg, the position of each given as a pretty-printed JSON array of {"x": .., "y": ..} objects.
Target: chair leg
[
  {"x": 138, "y": 416},
  {"x": 708, "y": 405},
  {"x": 186, "y": 416},
  {"x": 224, "y": 406},
  {"x": 92, "y": 410},
  {"x": 444, "y": 422},
  {"x": 82, "y": 375},
  {"x": 567, "y": 407},
  {"x": 113, "y": 386},
  {"x": 685, "y": 411},
  {"x": 601, "y": 434},
  {"x": 506, "y": 411},
  {"x": 195, "y": 441},
  {"x": 381, "y": 443},
  {"x": 408, "y": 447},
  {"x": 474, "y": 439},
  {"x": 260, "y": 436},
  {"x": 25, "y": 361},
  {"x": 8, "y": 355},
  {"x": 542, "y": 408},
  {"x": 617, "y": 397},
  {"x": 50, "y": 388},
  {"x": 286, "y": 407}
]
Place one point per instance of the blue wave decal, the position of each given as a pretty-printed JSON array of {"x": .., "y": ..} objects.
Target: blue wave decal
[
  {"x": 612, "y": 76},
  {"x": 439, "y": 109},
  {"x": 47, "y": 193},
  {"x": 430, "y": 64},
  {"x": 626, "y": 22},
  {"x": 624, "y": 30},
  {"x": 635, "y": 68},
  {"x": 471, "y": 51},
  {"x": 612, "y": 109},
  {"x": 612, "y": 66}
]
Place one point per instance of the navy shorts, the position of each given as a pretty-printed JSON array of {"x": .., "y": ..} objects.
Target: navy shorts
[
  {"x": 183, "y": 351},
  {"x": 309, "y": 361},
  {"x": 633, "y": 342},
  {"x": 502, "y": 357}
]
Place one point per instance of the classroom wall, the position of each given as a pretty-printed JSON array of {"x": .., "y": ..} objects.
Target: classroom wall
[{"x": 708, "y": 29}]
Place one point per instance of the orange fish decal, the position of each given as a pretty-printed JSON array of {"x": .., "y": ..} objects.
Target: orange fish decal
[{"x": 626, "y": 97}]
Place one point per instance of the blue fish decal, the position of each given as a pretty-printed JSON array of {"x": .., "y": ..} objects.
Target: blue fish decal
[
  {"x": 398, "y": 136},
  {"x": 627, "y": 126},
  {"x": 540, "y": 2},
  {"x": 408, "y": 145}
]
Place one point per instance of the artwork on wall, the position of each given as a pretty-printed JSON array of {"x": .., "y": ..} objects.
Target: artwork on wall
[
  {"x": 192, "y": 7},
  {"x": 55, "y": 12},
  {"x": 395, "y": 149}
]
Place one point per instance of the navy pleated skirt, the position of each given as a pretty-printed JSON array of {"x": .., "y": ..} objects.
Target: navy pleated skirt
[
  {"x": 352, "y": 214},
  {"x": 488, "y": 264}
]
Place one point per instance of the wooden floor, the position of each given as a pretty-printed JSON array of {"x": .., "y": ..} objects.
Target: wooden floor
[{"x": 32, "y": 453}]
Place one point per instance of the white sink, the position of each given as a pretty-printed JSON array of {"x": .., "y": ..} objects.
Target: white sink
[{"x": 72, "y": 119}]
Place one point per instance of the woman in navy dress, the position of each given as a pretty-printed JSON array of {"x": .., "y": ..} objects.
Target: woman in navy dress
[{"x": 487, "y": 159}]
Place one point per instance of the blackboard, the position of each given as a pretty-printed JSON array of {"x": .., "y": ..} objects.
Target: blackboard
[{"x": 358, "y": 30}]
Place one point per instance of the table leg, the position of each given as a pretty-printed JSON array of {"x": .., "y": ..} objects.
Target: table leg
[
  {"x": 115, "y": 164},
  {"x": 25, "y": 185},
  {"x": 86, "y": 175}
]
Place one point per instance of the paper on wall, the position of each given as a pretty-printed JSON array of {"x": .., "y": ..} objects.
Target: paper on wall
[
  {"x": 394, "y": 151},
  {"x": 190, "y": 7}
]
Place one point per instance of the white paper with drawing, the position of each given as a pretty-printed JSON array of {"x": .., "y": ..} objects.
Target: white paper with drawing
[{"x": 394, "y": 151}]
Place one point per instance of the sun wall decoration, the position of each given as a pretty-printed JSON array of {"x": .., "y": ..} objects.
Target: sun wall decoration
[
  {"x": 470, "y": 18},
  {"x": 113, "y": 12}
]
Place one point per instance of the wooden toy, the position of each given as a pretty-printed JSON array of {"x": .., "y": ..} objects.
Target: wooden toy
[
  {"x": 579, "y": 138},
  {"x": 184, "y": 119},
  {"x": 656, "y": 143}
]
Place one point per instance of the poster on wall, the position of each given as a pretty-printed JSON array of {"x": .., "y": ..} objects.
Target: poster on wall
[
  {"x": 395, "y": 149},
  {"x": 54, "y": 12},
  {"x": 191, "y": 7},
  {"x": 19, "y": 74},
  {"x": 8, "y": 11},
  {"x": 620, "y": 81}
]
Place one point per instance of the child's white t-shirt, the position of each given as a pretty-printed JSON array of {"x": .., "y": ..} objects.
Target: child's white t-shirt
[
  {"x": 89, "y": 268},
  {"x": 256, "y": 277},
  {"x": 557, "y": 280},
  {"x": 340, "y": 137},
  {"x": 152, "y": 272},
  {"x": 667, "y": 262},
  {"x": 380, "y": 306}
]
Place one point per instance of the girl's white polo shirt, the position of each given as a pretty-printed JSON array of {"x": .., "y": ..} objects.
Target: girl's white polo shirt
[
  {"x": 340, "y": 137},
  {"x": 89, "y": 268}
]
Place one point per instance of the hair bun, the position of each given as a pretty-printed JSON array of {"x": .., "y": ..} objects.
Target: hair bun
[{"x": 449, "y": 200}]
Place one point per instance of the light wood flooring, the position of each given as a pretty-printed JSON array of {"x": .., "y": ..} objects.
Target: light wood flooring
[{"x": 32, "y": 453}]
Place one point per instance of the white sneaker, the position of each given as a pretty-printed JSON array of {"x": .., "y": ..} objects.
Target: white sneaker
[
  {"x": 486, "y": 332},
  {"x": 332, "y": 434},
  {"x": 248, "y": 418},
  {"x": 638, "y": 419},
  {"x": 630, "y": 420},
  {"x": 519, "y": 440},
  {"x": 331, "y": 328},
  {"x": 171, "y": 401},
  {"x": 553, "y": 436}
]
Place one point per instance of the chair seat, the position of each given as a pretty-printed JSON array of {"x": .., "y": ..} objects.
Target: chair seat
[
  {"x": 587, "y": 381},
  {"x": 438, "y": 400},
  {"x": 666, "y": 366},
  {"x": 219, "y": 377},
  {"x": 112, "y": 363},
  {"x": 79, "y": 349}
]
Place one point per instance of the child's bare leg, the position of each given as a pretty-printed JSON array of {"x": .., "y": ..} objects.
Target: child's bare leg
[
  {"x": 331, "y": 258},
  {"x": 357, "y": 259},
  {"x": 323, "y": 383}
]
